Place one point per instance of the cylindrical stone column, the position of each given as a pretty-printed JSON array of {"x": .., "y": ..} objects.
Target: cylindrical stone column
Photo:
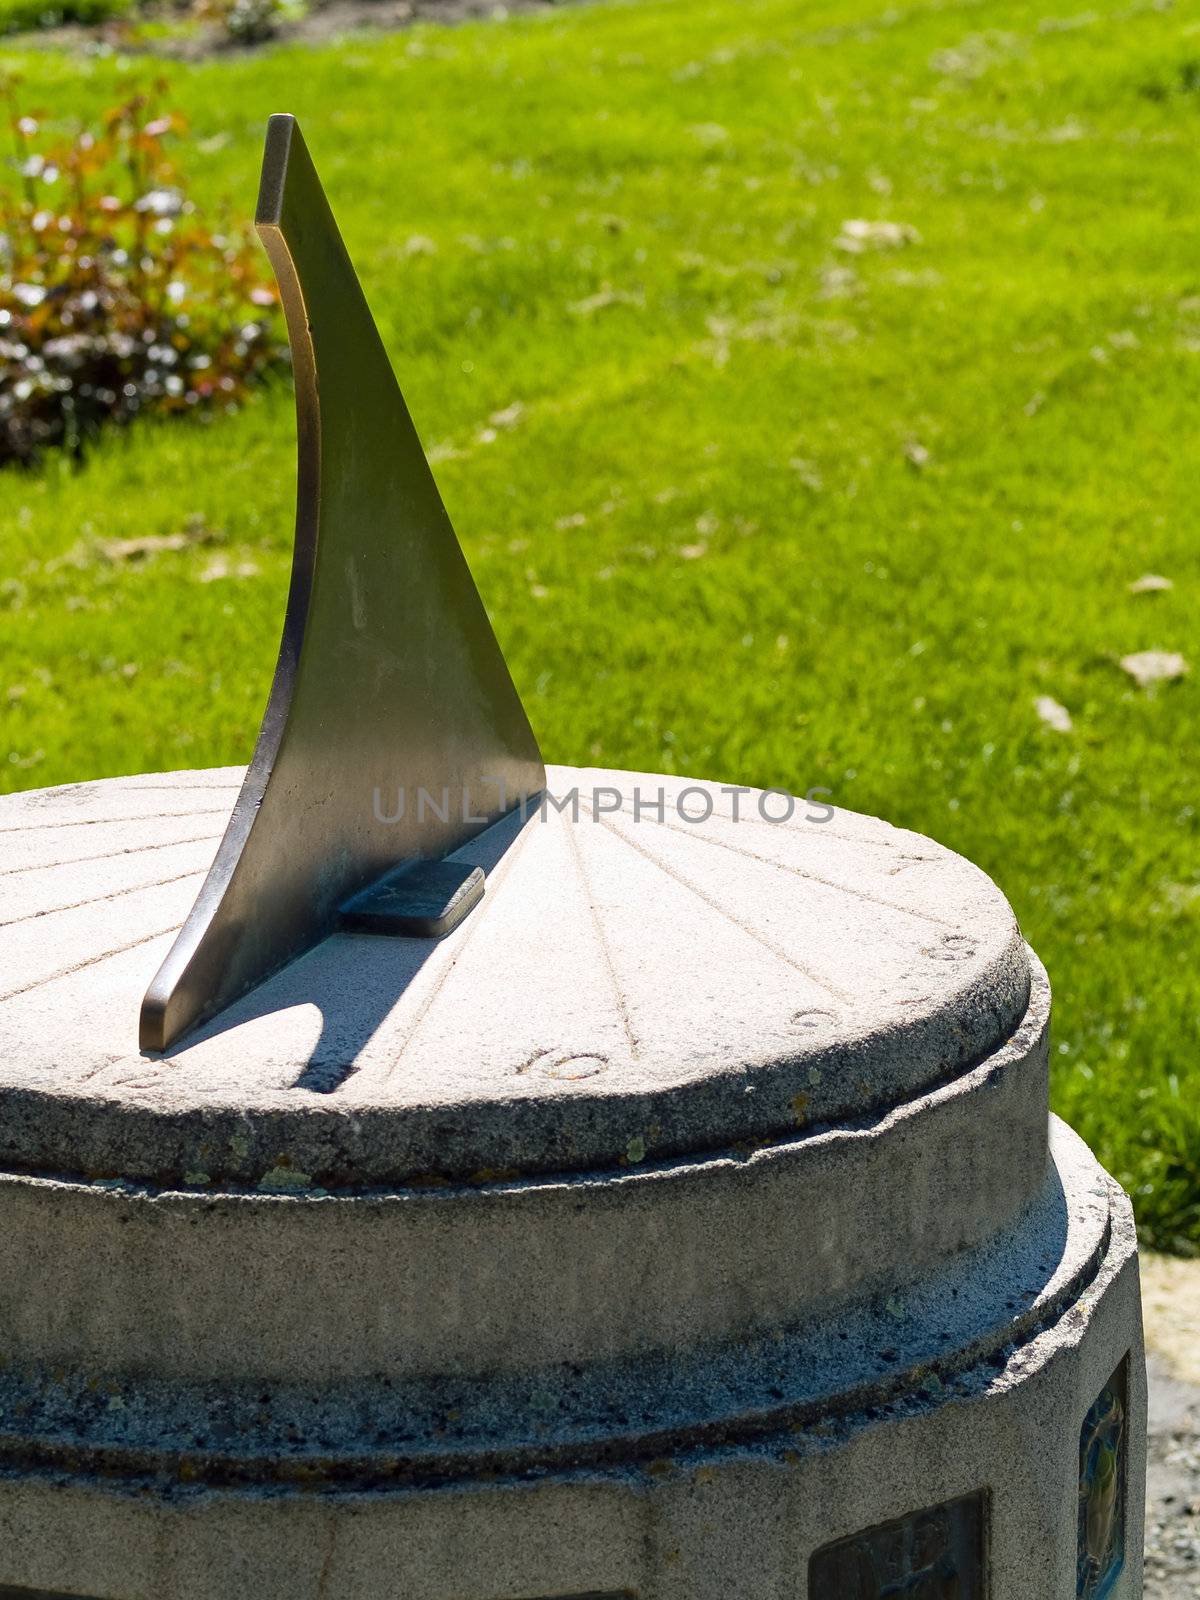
[{"x": 688, "y": 1224}]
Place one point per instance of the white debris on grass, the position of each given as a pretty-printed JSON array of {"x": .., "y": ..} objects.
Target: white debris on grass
[
  {"x": 1148, "y": 667},
  {"x": 1053, "y": 714},
  {"x": 858, "y": 235}
]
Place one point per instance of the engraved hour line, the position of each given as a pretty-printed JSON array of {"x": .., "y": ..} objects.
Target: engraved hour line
[
  {"x": 799, "y": 872},
  {"x": 471, "y": 927},
  {"x": 109, "y": 894},
  {"x": 605, "y": 949},
  {"x": 751, "y": 933},
  {"x": 111, "y": 855},
  {"x": 100, "y": 822},
  {"x": 104, "y": 955},
  {"x": 818, "y": 831}
]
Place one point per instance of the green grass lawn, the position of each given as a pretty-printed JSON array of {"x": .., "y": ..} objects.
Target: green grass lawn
[{"x": 755, "y": 506}]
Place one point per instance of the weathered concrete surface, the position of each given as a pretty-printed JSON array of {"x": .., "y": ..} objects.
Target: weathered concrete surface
[
  {"x": 687, "y": 1390},
  {"x": 679, "y": 1520},
  {"x": 412, "y": 1281},
  {"x": 628, "y": 989},
  {"x": 690, "y": 1207}
]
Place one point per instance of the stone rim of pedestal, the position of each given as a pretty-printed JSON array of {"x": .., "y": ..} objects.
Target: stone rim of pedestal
[
  {"x": 894, "y": 1346},
  {"x": 208, "y": 1287},
  {"x": 920, "y": 973}
]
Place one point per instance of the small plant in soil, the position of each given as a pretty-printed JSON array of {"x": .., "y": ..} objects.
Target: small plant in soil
[{"x": 116, "y": 297}]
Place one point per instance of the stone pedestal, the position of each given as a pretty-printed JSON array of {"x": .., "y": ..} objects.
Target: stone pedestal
[{"x": 686, "y": 1225}]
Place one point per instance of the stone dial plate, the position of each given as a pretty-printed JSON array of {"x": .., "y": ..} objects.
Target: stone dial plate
[{"x": 635, "y": 984}]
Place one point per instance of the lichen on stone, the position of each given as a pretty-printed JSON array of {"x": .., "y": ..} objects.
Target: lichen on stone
[{"x": 283, "y": 1179}]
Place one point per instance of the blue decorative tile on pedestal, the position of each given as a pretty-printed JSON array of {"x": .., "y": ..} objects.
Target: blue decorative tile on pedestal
[{"x": 1101, "y": 1546}]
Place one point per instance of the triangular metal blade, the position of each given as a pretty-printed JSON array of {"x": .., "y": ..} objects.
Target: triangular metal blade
[{"x": 390, "y": 689}]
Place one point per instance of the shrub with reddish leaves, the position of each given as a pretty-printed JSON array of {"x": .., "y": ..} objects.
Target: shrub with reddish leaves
[{"x": 115, "y": 298}]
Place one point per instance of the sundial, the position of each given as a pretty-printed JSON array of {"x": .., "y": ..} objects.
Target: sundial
[
  {"x": 394, "y": 736},
  {"x": 524, "y": 1183},
  {"x": 389, "y": 675},
  {"x": 414, "y": 953}
]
